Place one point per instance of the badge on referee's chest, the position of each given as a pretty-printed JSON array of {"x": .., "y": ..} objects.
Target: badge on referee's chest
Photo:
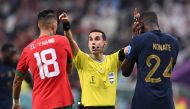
[{"x": 111, "y": 77}]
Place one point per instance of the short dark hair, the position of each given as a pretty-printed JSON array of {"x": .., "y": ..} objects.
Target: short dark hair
[
  {"x": 8, "y": 47},
  {"x": 46, "y": 15},
  {"x": 148, "y": 17},
  {"x": 97, "y": 30}
]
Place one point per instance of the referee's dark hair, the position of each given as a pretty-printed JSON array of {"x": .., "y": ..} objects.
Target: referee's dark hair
[{"x": 97, "y": 30}]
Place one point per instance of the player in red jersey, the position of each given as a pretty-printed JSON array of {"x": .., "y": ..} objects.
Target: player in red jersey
[{"x": 48, "y": 58}]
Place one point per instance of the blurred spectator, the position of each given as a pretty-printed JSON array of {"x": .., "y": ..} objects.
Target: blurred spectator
[
  {"x": 8, "y": 61},
  {"x": 7, "y": 69},
  {"x": 181, "y": 103}
]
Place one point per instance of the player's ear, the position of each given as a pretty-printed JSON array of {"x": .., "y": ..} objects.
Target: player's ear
[
  {"x": 158, "y": 26},
  {"x": 105, "y": 44},
  {"x": 53, "y": 27},
  {"x": 39, "y": 25}
]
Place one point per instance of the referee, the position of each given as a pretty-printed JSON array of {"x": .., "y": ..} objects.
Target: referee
[{"x": 97, "y": 72}]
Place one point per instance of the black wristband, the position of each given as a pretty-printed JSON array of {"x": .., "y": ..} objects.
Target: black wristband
[
  {"x": 121, "y": 55},
  {"x": 66, "y": 26}
]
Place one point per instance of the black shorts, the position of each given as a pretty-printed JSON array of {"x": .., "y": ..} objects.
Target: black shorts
[
  {"x": 67, "y": 107},
  {"x": 99, "y": 107}
]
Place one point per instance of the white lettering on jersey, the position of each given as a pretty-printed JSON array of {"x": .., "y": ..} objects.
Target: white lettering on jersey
[
  {"x": 46, "y": 42},
  {"x": 42, "y": 43},
  {"x": 32, "y": 46}
]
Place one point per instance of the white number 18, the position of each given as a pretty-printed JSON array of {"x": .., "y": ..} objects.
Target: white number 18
[{"x": 43, "y": 68}]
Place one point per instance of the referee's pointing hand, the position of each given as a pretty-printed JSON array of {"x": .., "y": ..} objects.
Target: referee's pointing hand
[{"x": 64, "y": 17}]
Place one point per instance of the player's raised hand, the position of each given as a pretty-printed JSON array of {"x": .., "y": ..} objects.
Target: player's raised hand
[
  {"x": 138, "y": 28},
  {"x": 64, "y": 17},
  {"x": 136, "y": 16},
  {"x": 137, "y": 25}
]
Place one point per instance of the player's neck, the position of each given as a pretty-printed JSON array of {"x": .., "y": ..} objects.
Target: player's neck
[
  {"x": 99, "y": 56},
  {"x": 46, "y": 33}
]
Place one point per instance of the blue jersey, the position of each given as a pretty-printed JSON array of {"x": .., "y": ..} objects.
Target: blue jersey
[
  {"x": 155, "y": 54},
  {"x": 6, "y": 80}
]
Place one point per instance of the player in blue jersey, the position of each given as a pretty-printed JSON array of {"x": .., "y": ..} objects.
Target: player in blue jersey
[
  {"x": 7, "y": 71},
  {"x": 7, "y": 68},
  {"x": 155, "y": 54}
]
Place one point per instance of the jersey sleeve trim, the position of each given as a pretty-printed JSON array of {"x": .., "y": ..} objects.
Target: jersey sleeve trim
[
  {"x": 121, "y": 55},
  {"x": 19, "y": 74},
  {"x": 79, "y": 53},
  {"x": 76, "y": 59}
]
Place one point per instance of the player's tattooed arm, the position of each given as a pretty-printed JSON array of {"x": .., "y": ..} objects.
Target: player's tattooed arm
[
  {"x": 127, "y": 67},
  {"x": 66, "y": 26},
  {"x": 16, "y": 91}
]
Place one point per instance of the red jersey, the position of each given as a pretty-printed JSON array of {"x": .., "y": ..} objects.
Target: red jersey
[{"x": 46, "y": 58}]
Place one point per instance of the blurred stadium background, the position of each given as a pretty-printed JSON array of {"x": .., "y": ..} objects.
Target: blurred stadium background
[{"x": 18, "y": 25}]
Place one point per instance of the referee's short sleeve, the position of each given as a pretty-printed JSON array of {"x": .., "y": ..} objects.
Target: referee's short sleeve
[
  {"x": 115, "y": 58},
  {"x": 78, "y": 59}
]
